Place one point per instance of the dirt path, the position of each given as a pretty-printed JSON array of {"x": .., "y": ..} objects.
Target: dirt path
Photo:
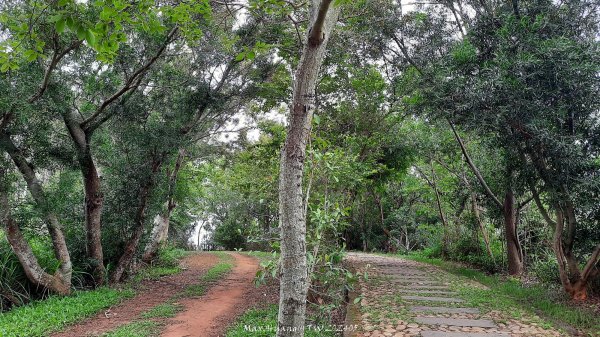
[
  {"x": 149, "y": 294},
  {"x": 209, "y": 315},
  {"x": 407, "y": 298}
]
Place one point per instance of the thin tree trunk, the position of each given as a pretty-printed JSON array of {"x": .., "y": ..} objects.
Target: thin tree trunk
[
  {"x": 513, "y": 246},
  {"x": 140, "y": 218},
  {"x": 438, "y": 200},
  {"x": 386, "y": 231},
  {"x": 486, "y": 238},
  {"x": 433, "y": 184},
  {"x": 160, "y": 232},
  {"x": 509, "y": 211},
  {"x": 294, "y": 279}
]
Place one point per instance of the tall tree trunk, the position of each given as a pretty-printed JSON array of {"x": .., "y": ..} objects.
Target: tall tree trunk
[
  {"x": 160, "y": 232},
  {"x": 94, "y": 199},
  {"x": 569, "y": 239},
  {"x": 509, "y": 210},
  {"x": 140, "y": 218},
  {"x": 294, "y": 279},
  {"x": 513, "y": 246}
]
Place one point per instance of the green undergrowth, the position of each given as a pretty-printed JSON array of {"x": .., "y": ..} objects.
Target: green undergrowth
[
  {"x": 144, "y": 328},
  {"x": 261, "y": 256},
  {"x": 512, "y": 297},
  {"x": 165, "y": 310},
  {"x": 263, "y": 322},
  {"x": 40, "y": 318},
  {"x": 43, "y": 317},
  {"x": 166, "y": 264}
]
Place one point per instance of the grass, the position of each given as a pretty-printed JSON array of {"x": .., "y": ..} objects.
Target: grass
[
  {"x": 165, "y": 310},
  {"x": 145, "y": 328},
  {"x": 40, "y": 318},
  {"x": 261, "y": 256},
  {"x": 516, "y": 299},
  {"x": 263, "y": 322},
  {"x": 214, "y": 274},
  {"x": 148, "y": 326}
]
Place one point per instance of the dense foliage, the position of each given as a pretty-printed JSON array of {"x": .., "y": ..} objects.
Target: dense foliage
[{"x": 466, "y": 130}]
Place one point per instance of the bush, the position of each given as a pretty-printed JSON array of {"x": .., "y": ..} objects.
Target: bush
[
  {"x": 475, "y": 254},
  {"x": 15, "y": 288},
  {"x": 546, "y": 270},
  {"x": 230, "y": 234},
  {"x": 433, "y": 252},
  {"x": 169, "y": 256}
]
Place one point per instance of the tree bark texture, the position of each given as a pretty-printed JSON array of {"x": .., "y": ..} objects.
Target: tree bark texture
[
  {"x": 513, "y": 246},
  {"x": 294, "y": 278},
  {"x": 94, "y": 198}
]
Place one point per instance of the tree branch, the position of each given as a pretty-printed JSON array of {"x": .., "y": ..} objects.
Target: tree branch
[
  {"x": 130, "y": 83},
  {"x": 56, "y": 58},
  {"x": 316, "y": 35},
  {"x": 474, "y": 168},
  {"x": 594, "y": 259}
]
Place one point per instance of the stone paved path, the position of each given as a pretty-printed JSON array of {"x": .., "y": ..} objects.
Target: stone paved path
[{"x": 406, "y": 298}]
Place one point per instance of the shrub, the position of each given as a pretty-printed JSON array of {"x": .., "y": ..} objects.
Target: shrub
[
  {"x": 169, "y": 256},
  {"x": 546, "y": 270}
]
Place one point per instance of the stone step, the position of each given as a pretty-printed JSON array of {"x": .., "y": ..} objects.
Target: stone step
[
  {"x": 433, "y": 299},
  {"x": 460, "y": 334},
  {"x": 421, "y": 282},
  {"x": 427, "y": 286},
  {"x": 444, "y": 310},
  {"x": 479, "y": 323},
  {"x": 423, "y": 291}
]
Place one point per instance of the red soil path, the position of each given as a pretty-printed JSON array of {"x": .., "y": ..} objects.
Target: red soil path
[
  {"x": 209, "y": 315},
  {"x": 150, "y": 293}
]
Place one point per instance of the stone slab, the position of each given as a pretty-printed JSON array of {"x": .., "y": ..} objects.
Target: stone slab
[
  {"x": 427, "y": 286},
  {"x": 459, "y": 334},
  {"x": 478, "y": 323},
  {"x": 423, "y": 291},
  {"x": 433, "y": 299},
  {"x": 421, "y": 282},
  {"x": 444, "y": 310}
]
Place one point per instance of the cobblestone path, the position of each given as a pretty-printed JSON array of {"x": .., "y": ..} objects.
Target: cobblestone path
[{"x": 405, "y": 298}]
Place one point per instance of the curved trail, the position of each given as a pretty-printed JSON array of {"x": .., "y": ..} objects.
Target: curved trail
[
  {"x": 207, "y": 316},
  {"x": 151, "y": 293}
]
